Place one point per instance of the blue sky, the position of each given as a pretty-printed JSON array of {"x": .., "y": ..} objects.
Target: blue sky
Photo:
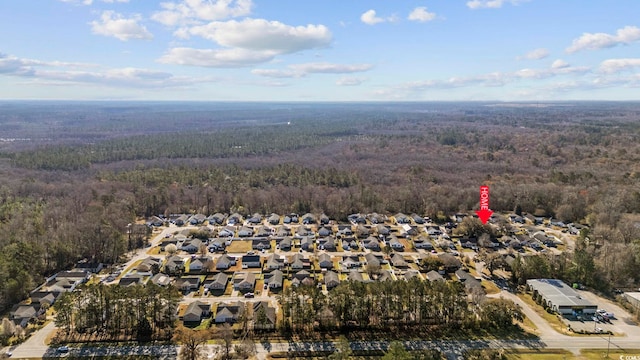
[{"x": 312, "y": 50}]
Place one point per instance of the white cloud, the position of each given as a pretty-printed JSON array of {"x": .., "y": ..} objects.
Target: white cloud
[
  {"x": 421, "y": 14},
  {"x": 329, "y": 68},
  {"x": 493, "y": 79},
  {"x": 535, "y": 54},
  {"x": 275, "y": 73},
  {"x": 66, "y": 72},
  {"x": 350, "y": 81},
  {"x": 115, "y": 25},
  {"x": 216, "y": 57},
  {"x": 189, "y": 11},
  {"x": 300, "y": 70},
  {"x": 263, "y": 35},
  {"x": 369, "y": 17},
  {"x": 559, "y": 64},
  {"x": 617, "y": 65},
  {"x": 491, "y": 4},
  {"x": 595, "y": 41}
]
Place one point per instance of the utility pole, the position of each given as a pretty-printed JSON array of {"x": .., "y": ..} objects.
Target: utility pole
[{"x": 608, "y": 345}]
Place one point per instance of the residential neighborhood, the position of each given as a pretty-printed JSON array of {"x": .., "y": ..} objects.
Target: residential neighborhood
[{"x": 255, "y": 258}]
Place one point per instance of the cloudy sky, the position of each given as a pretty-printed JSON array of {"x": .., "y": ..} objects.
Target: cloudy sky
[{"x": 324, "y": 50}]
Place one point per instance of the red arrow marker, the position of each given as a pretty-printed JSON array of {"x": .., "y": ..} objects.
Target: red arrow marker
[{"x": 484, "y": 213}]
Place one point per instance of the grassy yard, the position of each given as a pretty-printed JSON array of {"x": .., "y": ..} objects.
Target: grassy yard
[{"x": 239, "y": 246}]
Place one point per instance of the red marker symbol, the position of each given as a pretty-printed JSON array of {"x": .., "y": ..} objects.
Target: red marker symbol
[{"x": 484, "y": 213}]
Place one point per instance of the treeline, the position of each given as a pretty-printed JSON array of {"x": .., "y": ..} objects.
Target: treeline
[
  {"x": 242, "y": 142},
  {"x": 116, "y": 312},
  {"x": 386, "y": 305}
]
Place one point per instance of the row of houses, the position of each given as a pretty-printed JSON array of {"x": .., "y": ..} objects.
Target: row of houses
[
  {"x": 46, "y": 295},
  {"x": 262, "y": 314}
]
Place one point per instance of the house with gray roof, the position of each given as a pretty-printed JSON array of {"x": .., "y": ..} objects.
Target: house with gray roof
[
  {"x": 274, "y": 279},
  {"x": 324, "y": 261},
  {"x": 196, "y": 311},
  {"x": 331, "y": 280},
  {"x": 244, "y": 281},
  {"x": 218, "y": 282},
  {"x": 229, "y": 312},
  {"x": 274, "y": 262},
  {"x": 225, "y": 261}
]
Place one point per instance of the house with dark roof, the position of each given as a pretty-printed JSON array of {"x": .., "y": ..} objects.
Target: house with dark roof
[
  {"x": 372, "y": 260},
  {"x": 362, "y": 231},
  {"x": 371, "y": 243},
  {"x": 306, "y": 243},
  {"x": 418, "y": 219},
  {"x": 285, "y": 244},
  {"x": 345, "y": 230},
  {"x": 200, "y": 264},
  {"x": 244, "y": 281},
  {"x": 324, "y": 261},
  {"x": 351, "y": 262},
  {"x": 196, "y": 311},
  {"x": 251, "y": 261},
  {"x": 229, "y": 313},
  {"x": 225, "y": 261},
  {"x": 261, "y": 244},
  {"x": 470, "y": 282},
  {"x": 273, "y": 219},
  {"x": 188, "y": 283},
  {"x": 450, "y": 262},
  {"x": 264, "y": 316},
  {"x": 328, "y": 243},
  {"x": 216, "y": 219},
  {"x": 130, "y": 280},
  {"x": 283, "y": 231},
  {"x": 263, "y": 231},
  {"x": 150, "y": 265},
  {"x": 324, "y": 231},
  {"x": 245, "y": 231},
  {"x": 324, "y": 219},
  {"x": 303, "y": 231},
  {"x": 218, "y": 282},
  {"x": 227, "y": 231},
  {"x": 155, "y": 221},
  {"x": 23, "y": 314},
  {"x": 422, "y": 243},
  {"x": 174, "y": 265},
  {"x": 274, "y": 279},
  {"x": 217, "y": 244},
  {"x": 298, "y": 262},
  {"x": 402, "y": 219},
  {"x": 331, "y": 280},
  {"x": 255, "y": 219},
  {"x": 383, "y": 230},
  {"x": 274, "y": 262},
  {"x": 197, "y": 219},
  {"x": 235, "y": 219},
  {"x": 398, "y": 261},
  {"x": 309, "y": 218},
  {"x": 191, "y": 246},
  {"x": 396, "y": 244}
]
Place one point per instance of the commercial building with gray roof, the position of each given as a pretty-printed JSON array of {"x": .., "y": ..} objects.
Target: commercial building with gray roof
[{"x": 560, "y": 297}]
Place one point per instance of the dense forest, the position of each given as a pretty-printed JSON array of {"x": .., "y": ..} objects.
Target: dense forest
[{"x": 74, "y": 175}]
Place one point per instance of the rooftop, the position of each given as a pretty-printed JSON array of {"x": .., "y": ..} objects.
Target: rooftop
[{"x": 558, "y": 292}]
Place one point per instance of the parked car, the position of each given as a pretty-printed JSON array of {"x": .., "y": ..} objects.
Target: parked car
[{"x": 249, "y": 295}]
